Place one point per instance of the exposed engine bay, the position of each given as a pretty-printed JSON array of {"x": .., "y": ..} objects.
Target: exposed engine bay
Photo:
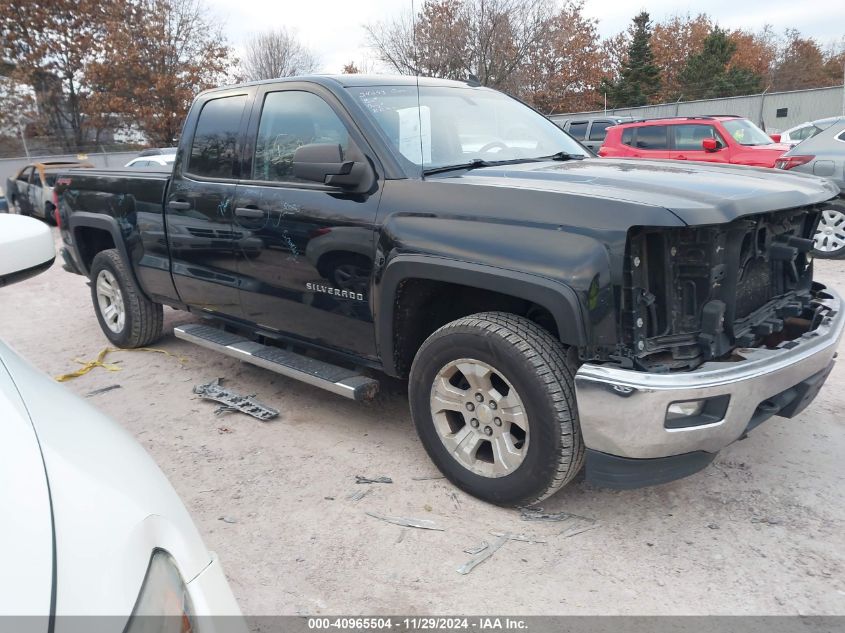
[{"x": 697, "y": 294}]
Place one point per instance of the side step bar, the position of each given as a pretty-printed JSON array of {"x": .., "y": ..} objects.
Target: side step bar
[{"x": 339, "y": 380}]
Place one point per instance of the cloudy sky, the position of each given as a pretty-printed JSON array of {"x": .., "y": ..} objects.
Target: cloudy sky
[{"x": 333, "y": 28}]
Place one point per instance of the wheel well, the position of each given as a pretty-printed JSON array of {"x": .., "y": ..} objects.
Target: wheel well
[
  {"x": 422, "y": 306},
  {"x": 90, "y": 241}
]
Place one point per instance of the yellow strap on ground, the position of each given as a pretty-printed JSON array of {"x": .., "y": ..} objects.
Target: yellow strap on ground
[{"x": 98, "y": 362}]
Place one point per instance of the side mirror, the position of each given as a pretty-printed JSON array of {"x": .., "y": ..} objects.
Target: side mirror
[
  {"x": 775, "y": 137},
  {"x": 710, "y": 145},
  {"x": 26, "y": 248},
  {"x": 323, "y": 163}
]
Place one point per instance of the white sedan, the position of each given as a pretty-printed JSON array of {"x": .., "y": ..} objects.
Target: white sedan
[{"x": 90, "y": 526}]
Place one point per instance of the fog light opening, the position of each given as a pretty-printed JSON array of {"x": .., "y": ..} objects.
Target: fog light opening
[
  {"x": 686, "y": 409},
  {"x": 690, "y": 413}
]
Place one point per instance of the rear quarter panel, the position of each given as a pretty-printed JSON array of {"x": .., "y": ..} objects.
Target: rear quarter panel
[{"x": 131, "y": 205}]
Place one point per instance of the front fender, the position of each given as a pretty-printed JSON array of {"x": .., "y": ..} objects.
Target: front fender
[{"x": 559, "y": 299}]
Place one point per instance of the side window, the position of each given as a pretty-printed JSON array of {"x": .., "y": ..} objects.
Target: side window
[
  {"x": 289, "y": 120},
  {"x": 689, "y": 137},
  {"x": 215, "y": 144},
  {"x": 807, "y": 132},
  {"x": 651, "y": 137},
  {"x": 599, "y": 130},
  {"x": 25, "y": 174},
  {"x": 578, "y": 130},
  {"x": 628, "y": 136}
]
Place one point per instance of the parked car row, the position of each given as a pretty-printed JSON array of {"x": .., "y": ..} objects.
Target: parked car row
[{"x": 816, "y": 147}]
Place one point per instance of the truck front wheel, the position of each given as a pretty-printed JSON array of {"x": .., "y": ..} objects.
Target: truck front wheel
[
  {"x": 126, "y": 316},
  {"x": 493, "y": 402}
]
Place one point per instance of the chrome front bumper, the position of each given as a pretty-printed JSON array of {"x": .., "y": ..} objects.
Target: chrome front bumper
[{"x": 623, "y": 412}]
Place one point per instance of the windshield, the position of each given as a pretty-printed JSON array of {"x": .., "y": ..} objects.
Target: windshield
[
  {"x": 455, "y": 126},
  {"x": 746, "y": 133}
]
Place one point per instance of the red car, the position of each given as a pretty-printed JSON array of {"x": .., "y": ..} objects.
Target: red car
[{"x": 716, "y": 139}]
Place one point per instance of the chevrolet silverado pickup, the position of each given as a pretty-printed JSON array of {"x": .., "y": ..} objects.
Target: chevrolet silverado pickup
[{"x": 549, "y": 310}]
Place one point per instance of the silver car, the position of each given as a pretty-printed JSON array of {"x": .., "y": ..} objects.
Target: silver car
[
  {"x": 823, "y": 154},
  {"x": 590, "y": 131}
]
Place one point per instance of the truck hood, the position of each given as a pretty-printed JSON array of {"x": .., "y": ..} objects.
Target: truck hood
[
  {"x": 111, "y": 504},
  {"x": 696, "y": 192}
]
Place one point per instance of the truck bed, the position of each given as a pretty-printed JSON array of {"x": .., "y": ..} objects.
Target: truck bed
[{"x": 141, "y": 185}]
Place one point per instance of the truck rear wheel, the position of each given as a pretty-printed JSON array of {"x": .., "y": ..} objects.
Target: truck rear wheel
[
  {"x": 126, "y": 316},
  {"x": 493, "y": 402}
]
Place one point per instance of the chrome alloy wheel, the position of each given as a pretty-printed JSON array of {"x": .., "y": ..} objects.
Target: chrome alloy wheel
[
  {"x": 479, "y": 417},
  {"x": 110, "y": 299},
  {"x": 830, "y": 235}
]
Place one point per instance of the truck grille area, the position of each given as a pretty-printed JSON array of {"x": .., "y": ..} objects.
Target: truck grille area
[{"x": 696, "y": 294}]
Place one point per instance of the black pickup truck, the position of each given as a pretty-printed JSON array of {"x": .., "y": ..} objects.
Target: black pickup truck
[{"x": 549, "y": 309}]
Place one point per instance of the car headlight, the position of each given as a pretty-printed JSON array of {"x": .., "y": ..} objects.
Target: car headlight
[{"x": 164, "y": 605}]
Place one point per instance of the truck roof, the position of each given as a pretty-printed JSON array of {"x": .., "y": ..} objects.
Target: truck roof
[{"x": 357, "y": 80}]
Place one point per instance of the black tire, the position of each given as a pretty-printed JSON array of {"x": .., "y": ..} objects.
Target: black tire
[
  {"x": 143, "y": 318},
  {"x": 838, "y": 253},
  {"x": 535, "y": 363}
]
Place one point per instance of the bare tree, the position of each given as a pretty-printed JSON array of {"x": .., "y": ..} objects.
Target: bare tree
[
  {"x": 277, "y": 53},
  {"x": 490, "y": 39}
]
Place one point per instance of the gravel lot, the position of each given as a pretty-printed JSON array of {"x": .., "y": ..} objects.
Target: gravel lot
[{"x": 759, "y": 532}]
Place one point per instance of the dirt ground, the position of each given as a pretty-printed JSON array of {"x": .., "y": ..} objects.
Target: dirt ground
[{"x": 758, "y": 532}]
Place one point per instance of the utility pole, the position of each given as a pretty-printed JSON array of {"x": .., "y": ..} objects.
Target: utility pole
[{"x": 22, "y": 129}]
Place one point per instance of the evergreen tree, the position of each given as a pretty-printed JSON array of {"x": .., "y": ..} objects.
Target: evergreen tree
[
  {"x": 709, "y": 75},
  {"x": 639, "y": 77}
]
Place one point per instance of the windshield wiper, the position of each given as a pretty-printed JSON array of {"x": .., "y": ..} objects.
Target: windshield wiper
[
  {"x": 562, "y": 156},
  {"x": 475, "y": 163}
]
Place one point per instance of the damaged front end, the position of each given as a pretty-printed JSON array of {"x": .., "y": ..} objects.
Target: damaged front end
[{"x": 696, "y": 294}]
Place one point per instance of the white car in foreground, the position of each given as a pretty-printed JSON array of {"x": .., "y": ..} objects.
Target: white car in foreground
[{"x": 90, "y": 526}]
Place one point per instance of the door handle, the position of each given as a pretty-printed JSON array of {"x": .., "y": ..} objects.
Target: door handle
[
  {"x": 253, "y": 213},
  {"x": 178, "y": 205},
  {"x": 680, "y": 157}
]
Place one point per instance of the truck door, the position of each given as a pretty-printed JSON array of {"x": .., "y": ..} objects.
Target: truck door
[
  {"x": 22, "y": 194},
  {"x": 306, "y": 260},
  {"x": 688, "y": 138},
  {"x": 202, "y": 242},
  {"x": 35, "y": 194}
]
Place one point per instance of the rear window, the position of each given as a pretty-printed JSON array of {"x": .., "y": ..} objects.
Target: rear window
[
  {"x": 214, "y": 148},
  {"x": 628, "y": 136},
  {"x": 652, "y": 137},
  {"x": 578, "y": 130},
  {"x": 599, "y": 130}
]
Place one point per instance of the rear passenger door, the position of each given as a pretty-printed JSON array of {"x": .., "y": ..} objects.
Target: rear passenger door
[
  {"x": 309, "y": 265},
  {"x": 651, "y": 141},
  {"x": 202, "y": 241}
]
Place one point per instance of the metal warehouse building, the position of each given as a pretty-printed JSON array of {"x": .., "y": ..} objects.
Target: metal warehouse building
[{"x": 773, "y": 111}]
